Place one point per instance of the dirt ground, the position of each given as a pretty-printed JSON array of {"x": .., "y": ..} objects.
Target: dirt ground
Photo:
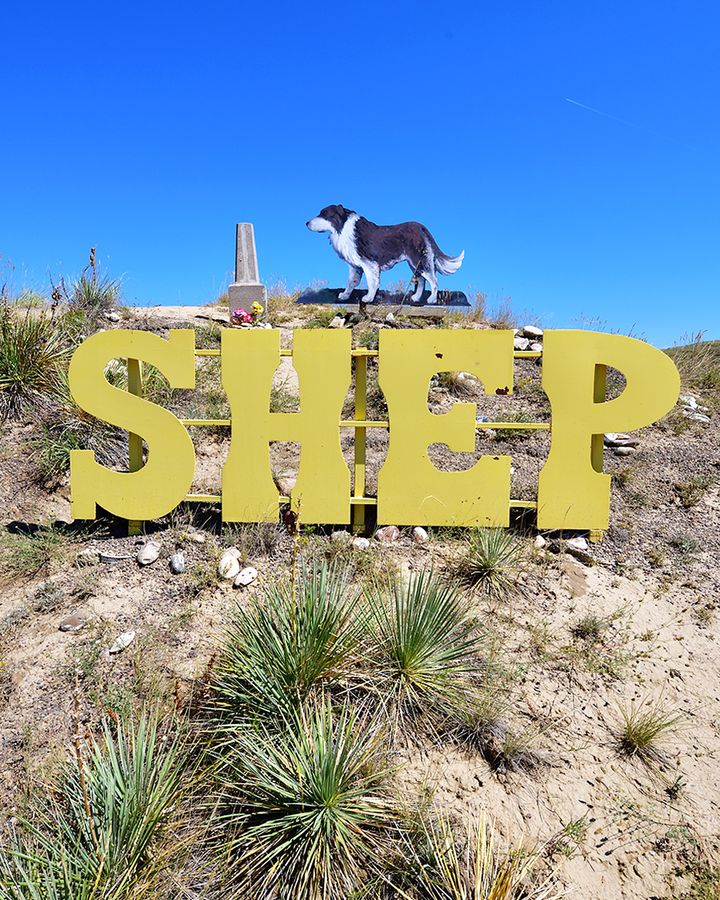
[{"x": 611, "y": 826}]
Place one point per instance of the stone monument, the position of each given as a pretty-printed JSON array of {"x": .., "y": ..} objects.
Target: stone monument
[{"x": 246, "y": 289}]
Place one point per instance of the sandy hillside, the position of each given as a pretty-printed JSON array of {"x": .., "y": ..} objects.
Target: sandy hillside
[{"x": 581, "y": 637}]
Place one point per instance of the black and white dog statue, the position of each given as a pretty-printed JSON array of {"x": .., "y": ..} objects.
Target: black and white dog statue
[{"x": 371, "y": 249}]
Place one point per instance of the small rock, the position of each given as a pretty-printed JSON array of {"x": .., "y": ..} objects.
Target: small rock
[
  {"x": 245, "y": 577},
  {"x": 87, "y": 557},
  {"x": 420, "y": 536},
  {"x": 532, "y": 331},
  {"x": 337, "y": 322},
  {"x": 341, "y": 537},
  {"x": 72, "y": 623},
  {"x": 576, "y": 543},
  {"x": 389, "y": 317},
  {"x": 387, "y": 535},
  {"x": 112, "y": 317},
  {"x": 619, "y": 440},
  {"x": 177, "y": 562},
  {"x": 122, "y": 641},
  {"x": 623, "y": 451},
  {"x": 521, "y": 343},
  {"x": 360, "y": 543},
  {"x": 535, "y": 346},
  {"x": 688, "y": 400},
  {"x": 229, "y": 565},
  {"x": 539, "y": 542},
  {"x": 198, "y": 537},
  {"x": 148, "y": 553}
]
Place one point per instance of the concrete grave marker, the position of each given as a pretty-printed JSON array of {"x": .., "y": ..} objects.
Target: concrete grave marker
[{"x": 246, "y": 289}]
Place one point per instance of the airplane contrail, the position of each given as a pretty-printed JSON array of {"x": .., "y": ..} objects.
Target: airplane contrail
[{"x": 599, "y": 112}]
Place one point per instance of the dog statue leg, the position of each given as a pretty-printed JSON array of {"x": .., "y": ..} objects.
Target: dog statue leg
[
  {"x": 418, "y": 290},
  {"x": 372, "y": 276},
  {"x": 432, "y": 279},
  {"x": 354, "y": 276}
]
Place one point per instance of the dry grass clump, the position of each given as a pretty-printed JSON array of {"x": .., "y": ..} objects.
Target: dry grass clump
[
  {"x": 698, "y": 362},
  {"x": 646, "y": 726},
  {"x": 448, "y": 863},
  {"x": 493, "y": 560}
]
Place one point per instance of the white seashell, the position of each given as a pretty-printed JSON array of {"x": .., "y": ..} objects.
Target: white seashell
[
  {"x": 148, "y": 553},
  {"x": 246, "y": 577},
  {"x": 122, "y": 641}
]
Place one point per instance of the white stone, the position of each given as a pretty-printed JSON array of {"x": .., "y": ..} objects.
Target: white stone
[
  {"x": 420, "y": 536},
  {"x": 536, "y": 347},
  {"x": 337, "y": 322},
  {"x": 688, "y": 400},
  {"x": 389, "y": 317},
  {"x": 532, "y": 331},
  {"x": 577, "y": 543},
  {"x": 623, "y": 451},
  {"x": 148, "y": 553},
  {"x": 198, "y": 537},
  {"x": 122, "y": 641},
  {"x": 245, "y": 577},
  {"x": 360, "y": 543},
  {"x": 285, "y": 484},
  {"x": 539, "y": 542},
  {"x": 341, "y": 537},
  {"x": 177, "y": 562},
  {"x": 229, "y": 564},
  {"x": 521, "y": 343},
  {"x": 112, "y": 317}
]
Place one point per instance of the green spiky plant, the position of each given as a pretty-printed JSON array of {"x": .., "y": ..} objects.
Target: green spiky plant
[
  {"x": 34, "y": 350},
  {"x": 426, "y": 644},
  {"x": 96, "y": 835},
  {"x": 493, "y": 560},
  {"x": 445, "y": 865},
  {"x": 295, "y": 639},
  {"x": 302, "y": 813}
]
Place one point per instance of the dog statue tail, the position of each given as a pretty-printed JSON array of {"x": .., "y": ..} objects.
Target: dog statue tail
[{"x": 447, "y": 265}]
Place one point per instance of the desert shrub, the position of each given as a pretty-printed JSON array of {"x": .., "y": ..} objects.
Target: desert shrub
[
  {"x": 691, "y": 492},
  {"x": 286, "y": 645},
  {"x": 426, "y": 645},
  {"x": 34, "y": 350},
  {"x": 302, "y": 813},
  {"x": 322, "y": 316},
  {"x": 645, "y": 727},
  {"x": 96, "y": 834},
  {"x": 456, "y": 383},
  {"x": 65, "y": 429},
  {"x": 493, "y": 560}
]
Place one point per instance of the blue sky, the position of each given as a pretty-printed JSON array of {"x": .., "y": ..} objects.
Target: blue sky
[{"x": 148, "y": 130}]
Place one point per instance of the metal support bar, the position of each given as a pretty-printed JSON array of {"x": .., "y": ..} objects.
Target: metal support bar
[
  {"x": 358, "y": 510},
  {"x": 135, "y": 444}
]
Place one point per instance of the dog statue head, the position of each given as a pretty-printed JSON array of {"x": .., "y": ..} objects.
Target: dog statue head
[{"x": 332, "y": 219}]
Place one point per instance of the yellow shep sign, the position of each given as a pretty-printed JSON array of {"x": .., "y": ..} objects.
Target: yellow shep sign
[{"x": 572, "y": 493}]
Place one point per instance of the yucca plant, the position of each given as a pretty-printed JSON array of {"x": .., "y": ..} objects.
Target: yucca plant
[
  {"x": 33, "y": 352},
  {"x": 426, "y": 644},
  {"x": 93, "y": 294},
  {"x": 96, "y": 834},
  {"x": 301, "y": 813},
  {"x": 295, "y": 639},
  {"x": 493, "y": 560},
  {"x": 443, "y": 865}
]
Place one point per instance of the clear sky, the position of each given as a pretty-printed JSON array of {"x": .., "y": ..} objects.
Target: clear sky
[{"x": 148, "y": 130}]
